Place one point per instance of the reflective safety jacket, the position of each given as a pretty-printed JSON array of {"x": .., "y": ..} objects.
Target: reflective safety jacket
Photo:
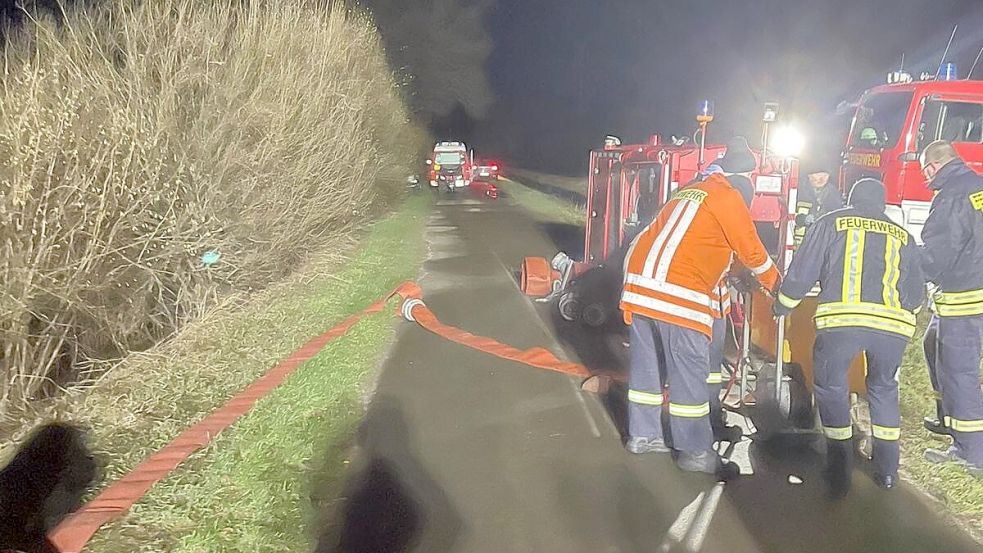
[
  {"x": 720, "y": 300},
  {"x": 675, "y": 265},
  {"x": 952, "y": 255},
  {"x": 868, "y": 272}
]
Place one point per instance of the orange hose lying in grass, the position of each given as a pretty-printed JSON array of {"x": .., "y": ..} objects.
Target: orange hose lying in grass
[{"x": 77, "y": 529}]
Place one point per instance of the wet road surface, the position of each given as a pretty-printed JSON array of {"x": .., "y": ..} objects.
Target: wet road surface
[{"x": 461, "y": 451}]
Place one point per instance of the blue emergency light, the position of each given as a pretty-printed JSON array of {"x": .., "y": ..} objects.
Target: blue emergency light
[{"x": 949, "y": 72}]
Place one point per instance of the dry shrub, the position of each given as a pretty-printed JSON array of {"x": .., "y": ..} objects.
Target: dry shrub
[{"x": 135, "y": 136}]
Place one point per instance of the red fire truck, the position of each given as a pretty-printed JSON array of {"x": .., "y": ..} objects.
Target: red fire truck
[
  {"x": 894, "y": 122},
  {"x": 627, "y": 185}
]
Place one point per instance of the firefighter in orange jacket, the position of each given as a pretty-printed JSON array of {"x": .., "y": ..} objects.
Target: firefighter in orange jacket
[{"x": 671, "y": 272}]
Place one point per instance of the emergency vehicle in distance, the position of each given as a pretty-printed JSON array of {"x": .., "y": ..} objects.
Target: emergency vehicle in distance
[
  {"x": 894, "y": 122},
  {"x": 451, "y": 166}
]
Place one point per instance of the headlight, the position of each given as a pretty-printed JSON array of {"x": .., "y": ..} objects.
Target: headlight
[{"x": 787, "y": 142}]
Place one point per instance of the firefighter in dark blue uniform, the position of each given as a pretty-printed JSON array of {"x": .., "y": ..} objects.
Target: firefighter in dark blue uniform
[
  {"x": 870, "y": 278},
  {"x": 952, "y": 259},
  {"x": 815, "y": 200}
]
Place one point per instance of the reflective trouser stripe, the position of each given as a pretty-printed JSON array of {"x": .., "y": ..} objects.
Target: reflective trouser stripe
[
  {"x": 715, "y": 378},
  {"x": 838, "y": 432},
  {"x": 644, "y": 398},
  {"x": 886, "y": 432},
  {"x": 964, "y": 426},
  {"x": 689, "y": 411}
]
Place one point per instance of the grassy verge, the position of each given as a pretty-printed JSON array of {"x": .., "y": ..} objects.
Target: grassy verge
[
  {"x": 544, "y": 206},
  {"x": 250, "y": 490},
  {"x": 573, "y": 184},
  {"x": 960, "y": 493}
]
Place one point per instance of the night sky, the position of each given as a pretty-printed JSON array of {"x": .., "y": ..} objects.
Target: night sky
[{"x": 565, "y": 72}]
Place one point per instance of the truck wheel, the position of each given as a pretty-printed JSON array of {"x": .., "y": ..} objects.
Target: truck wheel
[
  {"x": 569, "y": 306},
  {"x": 595, "y": 315}
]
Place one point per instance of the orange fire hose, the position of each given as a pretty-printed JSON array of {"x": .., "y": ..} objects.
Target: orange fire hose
[{"x": 77, "y": 529}]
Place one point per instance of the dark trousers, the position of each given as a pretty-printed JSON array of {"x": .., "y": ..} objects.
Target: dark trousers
[
  {"x": 715, "y": 380},
  {"x": 953, "y": 350},
  {"x": 834, "y": 352},
  {"x": 664, "y": 354}
]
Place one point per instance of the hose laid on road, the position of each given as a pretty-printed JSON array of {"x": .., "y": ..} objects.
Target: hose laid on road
[{"x": 77, "y": 529}]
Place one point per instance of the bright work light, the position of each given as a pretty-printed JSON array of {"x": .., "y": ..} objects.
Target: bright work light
[{"x": 787, "y": 141}]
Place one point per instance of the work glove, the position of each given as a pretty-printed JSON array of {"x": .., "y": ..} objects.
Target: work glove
[
  {"x": 743, "y": 282},
  {"x": 779, "y": 310},
  {"x": 805, "y": 220},
  {"x": 771, "y": 282}
]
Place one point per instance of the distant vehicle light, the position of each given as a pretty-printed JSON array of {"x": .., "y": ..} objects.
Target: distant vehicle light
[
  {"x": 494, "y": 167},
  {"x": 787, "y": 142}
]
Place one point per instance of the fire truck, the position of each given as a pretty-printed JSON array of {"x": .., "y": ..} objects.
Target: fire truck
[
  {"x": 627, "y": 185},
  {"x": 894, "y": 122},
  {"x": 451, "y": 166}
]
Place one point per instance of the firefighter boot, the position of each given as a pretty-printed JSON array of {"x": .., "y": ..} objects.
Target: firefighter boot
[
  {"x": 952, "y": 455},
  {"x": 886, "y": 482},
  {"x": 639, "y": 445},
  {"x": 839, "y": 467},
  {"x": 935, "y": 424},
  {"x": 723, "y": 432}
]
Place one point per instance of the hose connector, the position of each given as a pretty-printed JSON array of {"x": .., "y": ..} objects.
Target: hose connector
[{"x": 407, "y": 309}]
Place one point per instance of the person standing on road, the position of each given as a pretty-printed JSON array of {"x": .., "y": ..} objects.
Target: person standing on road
[
  {"x": 815, "y": 199},
  {"x": 672, "y": 268},
  {"x": 869, "y": 273},
  {"x": 952, "y": 258}
]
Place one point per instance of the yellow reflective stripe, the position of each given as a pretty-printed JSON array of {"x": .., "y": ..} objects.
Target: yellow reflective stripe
[
  {"x": 957, "y": 304},
  {"x": 876, "y": 323},
  {"x": 787, "y": 301},
  {"x": 715, "y": 378},
  {"x": 689, "y": 411},
  {"x": 866, "y": 309},
  {"x": 886, "y": 432},
  {"x": 965, "y": 426},
  {"x": 838, "y": 432},
  {"x": 953, "y": 298},
  {"x": 853, "y": 265},
  {"x": 892, "y": 271},
  {"x": 958, "y": 310},
  {"x": 644, "y": 398}
]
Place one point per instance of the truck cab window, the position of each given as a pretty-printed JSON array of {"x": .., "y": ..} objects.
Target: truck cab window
[{"x": 952, "y": 121}]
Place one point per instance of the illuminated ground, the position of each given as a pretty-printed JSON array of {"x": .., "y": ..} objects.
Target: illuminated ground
[{"x": 464, "y": 452}]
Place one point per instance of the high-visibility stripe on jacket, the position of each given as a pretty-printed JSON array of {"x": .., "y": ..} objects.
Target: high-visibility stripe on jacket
[
  {"x": 675, "y": 265},
  {"x": 720, "y": 300},
  {"x": 868, "y": 270}
]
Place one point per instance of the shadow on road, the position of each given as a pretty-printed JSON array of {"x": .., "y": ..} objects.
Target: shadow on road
[{"x": 390, "y": 504}]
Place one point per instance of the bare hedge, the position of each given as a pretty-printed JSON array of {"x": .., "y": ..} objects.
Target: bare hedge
[{"x": 136, "y": 137}]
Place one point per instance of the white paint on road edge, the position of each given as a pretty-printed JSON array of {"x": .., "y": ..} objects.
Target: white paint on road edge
[
  {"x": 693, "y": 523},
  {"x": 577, "y": 392}
]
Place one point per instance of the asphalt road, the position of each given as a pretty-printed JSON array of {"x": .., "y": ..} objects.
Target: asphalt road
[{"x": 461, "y": 451}]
